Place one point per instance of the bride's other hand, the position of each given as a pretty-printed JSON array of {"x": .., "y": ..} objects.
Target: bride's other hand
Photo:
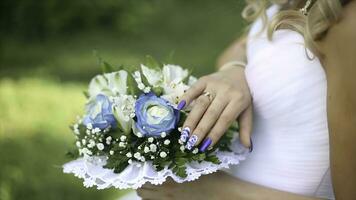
[
  {"x": 206, "y": 187},
  {"x": 219, "y": 99}
]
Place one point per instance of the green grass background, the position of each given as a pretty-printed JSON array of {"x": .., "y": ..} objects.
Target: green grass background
[{"x": 43, "y": 74}]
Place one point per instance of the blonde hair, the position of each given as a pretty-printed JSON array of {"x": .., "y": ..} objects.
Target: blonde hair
[{"x": 313, "y": 26}]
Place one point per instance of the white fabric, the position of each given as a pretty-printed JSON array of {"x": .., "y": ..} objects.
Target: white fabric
[
  {"x": 93, "y": 174},
  {"x": 291, "y": 140}
]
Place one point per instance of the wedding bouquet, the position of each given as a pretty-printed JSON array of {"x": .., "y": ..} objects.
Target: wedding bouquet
[{"x": 130, "y": 131}]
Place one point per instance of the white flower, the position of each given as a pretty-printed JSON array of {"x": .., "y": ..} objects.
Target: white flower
[
  {"x": 182, "y": 148},
  {"x": 88, "y": 132},
  {"x": 123, "y": 138},
  {"x": 122, "y": 144},
  {"x": 146, "y": 150},
  {"x": 86, "y": 152},
  {"x": 139, "y": 134},
  {"x": 111, "y": 152},
  {"x": 129, "y": 155},
  {"x": 153, "y": 148},
  {"x": 173, "y": 73},
  {"x": 147, "y": 89},
  {"x": 84, "y": 141},
  {"x": 141, "y": 86},
  {"x": 91, "y": 143},
  {"x": 163, "y": 154},
  {"x": 109, "y": 138},
  {"x": 143, "y": 159},
  {"x": 180, "y": 141},
  {"x": 100, "y": 146},
  {"x": 76, "y": 131},
  {"x": 137, "y": 155},
  {"x": 167, "y": 142},
  {"x": 97, "y": 130},
  {"x": 195, "y": 151},
  {"x": 152, "y": 157},
  {"x": 124, "y": 107},
  {"x": 150, "y": 139},
  {"x": 89, "y": 126},
  {"x": 163, "y": 134},
  {"x": 78, "y": 144},
  {"x": 75, "y": 126},
  {"x": 110, "y": 84},
  {"x": 129, "y": 161},
  {"x": 154, "y": 77}
]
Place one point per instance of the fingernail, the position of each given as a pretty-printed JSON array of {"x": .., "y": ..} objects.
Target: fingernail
[
  {"x": 206, "y": 143},
  {"x": 191, "y": 142},
  {"x": 185, "y": 134},
  {"x": 181, "y": 105},
  {"x": 251, "y": 146}
]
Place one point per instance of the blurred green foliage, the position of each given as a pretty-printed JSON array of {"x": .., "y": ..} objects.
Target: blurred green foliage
[{"x": 46, "y": 60}]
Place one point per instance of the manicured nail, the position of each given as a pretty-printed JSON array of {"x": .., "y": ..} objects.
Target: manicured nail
[
  {"x": 206, "y": 143},
  {"x": 191, "y": 142},
  {"x": 185, "y": 134},
  {"x": 181, "y": 105},
  {"x": 251, "y": 146}
]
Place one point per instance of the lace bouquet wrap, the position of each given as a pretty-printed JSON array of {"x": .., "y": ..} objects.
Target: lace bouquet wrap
[{"x": 130, "y": 131}]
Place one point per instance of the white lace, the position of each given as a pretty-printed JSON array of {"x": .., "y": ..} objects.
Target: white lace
[{"x": 134, "y": 176}]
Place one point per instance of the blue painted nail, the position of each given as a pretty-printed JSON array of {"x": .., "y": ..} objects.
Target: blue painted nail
[
  {"x": 206, "y": 143},
  {"x": 181, "y": 105},
  {"x": 191, "y": 142},
  {"x": 185, "y": 134}
]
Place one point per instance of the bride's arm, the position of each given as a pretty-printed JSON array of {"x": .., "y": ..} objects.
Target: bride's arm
[
  {"x": 235, "y": 52},
  {"x": 215, "y": 186},
  {"x": 339, "y": 48}
]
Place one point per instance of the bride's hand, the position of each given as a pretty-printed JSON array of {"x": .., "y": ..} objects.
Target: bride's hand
[{"x": 220, "y": 98}]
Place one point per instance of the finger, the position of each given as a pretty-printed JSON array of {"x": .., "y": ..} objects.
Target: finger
[
  {"x": 149, "y": 186},
  {"x": 209, "y": 118},
  {"x": 245, "y": 123},
  {"x": 192, "y": 93},
  {"x": 230, "y": 113},
  {"x": 199, "y": 108}
]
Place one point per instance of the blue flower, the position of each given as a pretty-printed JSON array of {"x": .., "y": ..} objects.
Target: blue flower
[
  {"x": 155, "y": 115},
  {"x": 100, "y": 113}
]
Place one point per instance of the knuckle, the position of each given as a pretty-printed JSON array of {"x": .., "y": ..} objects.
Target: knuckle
[
  {"x": 225, "y": 120},
  {"x": 203, "y": 100}
]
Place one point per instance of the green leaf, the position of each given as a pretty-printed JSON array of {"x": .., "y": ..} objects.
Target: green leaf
[
  {"x": 132, "y": 85},
  {"x": 106, "y": 67},
  {"x": 157, "y": 90},
  {"x": 181, "y": 171},
  {"x": 144, "y": 79},
  {"x": 212, "y": 158},
  {"x": 181, "y": 161},
  {"x": 152, "y": 63},
  {"x": 86, "y": 94}
]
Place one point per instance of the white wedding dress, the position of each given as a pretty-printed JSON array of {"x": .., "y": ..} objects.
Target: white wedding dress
[{"x": 290, "y": 136}]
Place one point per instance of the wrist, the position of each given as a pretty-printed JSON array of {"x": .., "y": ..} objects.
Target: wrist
[{"x": 233, "y": 64}]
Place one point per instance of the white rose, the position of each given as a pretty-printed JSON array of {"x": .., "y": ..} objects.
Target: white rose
[
  {"x": 110, "y": 84},
  {"x": 154, "y": 77}
]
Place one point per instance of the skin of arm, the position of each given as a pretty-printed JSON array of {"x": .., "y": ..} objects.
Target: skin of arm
[
  {"x": 339, "y": 48},
  {"x": 235, "y": 52}
]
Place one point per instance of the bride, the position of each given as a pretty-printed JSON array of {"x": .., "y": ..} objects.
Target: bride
[{"x": 277, "y": 74}]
